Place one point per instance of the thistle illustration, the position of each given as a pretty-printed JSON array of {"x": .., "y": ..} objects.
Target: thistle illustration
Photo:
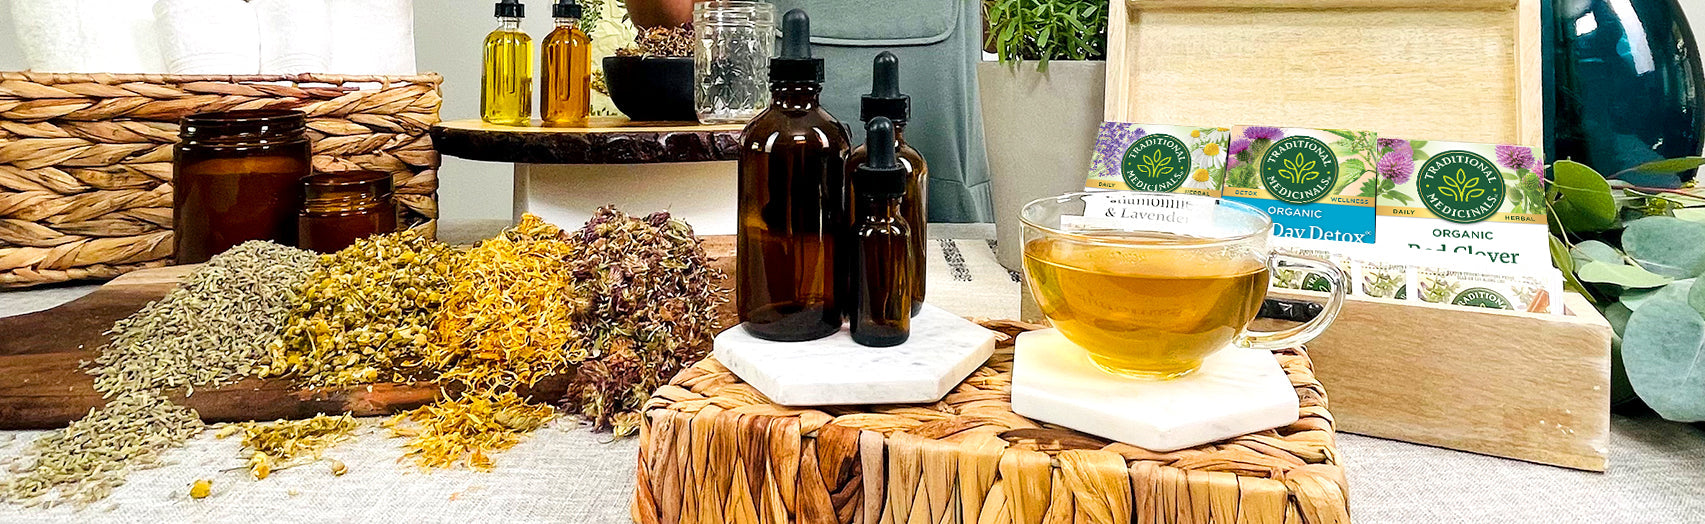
[
  {"x": 1299, "y": 170},
  {"x": 1460, "y": 186}
]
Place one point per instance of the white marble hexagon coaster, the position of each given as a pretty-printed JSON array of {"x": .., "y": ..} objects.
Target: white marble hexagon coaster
[
  {"x": 942, "y": 350},
  {"x": 1237, "y": 391}
]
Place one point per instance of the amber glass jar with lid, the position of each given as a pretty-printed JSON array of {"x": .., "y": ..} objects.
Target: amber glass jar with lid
[
  {"x": 237, "y": 176},
  {"x": 340, "y": 208}
]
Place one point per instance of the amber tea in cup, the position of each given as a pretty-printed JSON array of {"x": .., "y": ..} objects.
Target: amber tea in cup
[{"x": 1151, "y": 284}]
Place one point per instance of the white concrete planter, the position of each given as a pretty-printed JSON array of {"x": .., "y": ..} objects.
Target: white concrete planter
[{"x": 1040, "y": 130}]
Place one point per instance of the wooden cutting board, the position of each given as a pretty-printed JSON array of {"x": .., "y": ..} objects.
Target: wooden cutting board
[{"x": 42, "y": 384}]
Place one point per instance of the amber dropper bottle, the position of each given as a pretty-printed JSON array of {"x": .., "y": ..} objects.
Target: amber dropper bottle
[
  {"x": 883, "y": 252},
  {"x": 793, "y": 218},
  {"x": 886, "y": 101},
  {"x": 565, "y": 98},
  {"x": 506, "y": 88}
]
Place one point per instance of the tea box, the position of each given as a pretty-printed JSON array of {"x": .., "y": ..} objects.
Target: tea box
[
  {"x": 1159, "y": 158},
  {"x": 1483, "y": 200},
  {"x": 1310, "y": 180}
]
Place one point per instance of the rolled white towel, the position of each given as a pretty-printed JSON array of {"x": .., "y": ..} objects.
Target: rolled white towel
[
  {"x": 372, "y": 37},
  {"x": 295, "y": 36},
  {"x": 121, "y": 36},
  {"x": 217, "y": 37},
  {"x": 49, "y": 34},
  {"x": 88, "y": 36}
]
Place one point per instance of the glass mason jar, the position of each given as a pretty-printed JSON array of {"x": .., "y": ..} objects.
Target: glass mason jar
[
  {"x": 237, "y": 176},
  {"x": 731, "y": 63},
  {"x": 340, "y": 208}
]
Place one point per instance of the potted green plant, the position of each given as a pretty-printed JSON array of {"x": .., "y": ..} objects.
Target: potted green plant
[{"x": 1041, "y": 101}]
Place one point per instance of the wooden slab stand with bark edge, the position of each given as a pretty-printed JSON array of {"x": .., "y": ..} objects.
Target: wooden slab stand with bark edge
[
  {"x": 42, "y": 385},
  {"x": 1517, "y": 385}
]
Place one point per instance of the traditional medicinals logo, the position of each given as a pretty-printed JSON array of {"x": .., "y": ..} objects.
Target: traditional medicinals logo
[
  {"x": 1156, "y": 163},
  {"x": 1460, "y": 186},
  {"x": 1481, "y": 297},
  {"x": 1299, "y": 169}
]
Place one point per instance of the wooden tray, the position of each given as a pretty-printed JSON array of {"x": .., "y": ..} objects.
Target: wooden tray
[
  {"x": 46, "y": 388},
  {"x": 1465, "y": 70},
  {"x": 714, "y": 449}
]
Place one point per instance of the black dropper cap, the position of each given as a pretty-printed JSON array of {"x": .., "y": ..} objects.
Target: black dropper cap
[
  {"x": 795, "y": 63},
  {"x": 566, "y": 9},
  {"x": 885, "y": 99},
  {"x": 511, "y": 9},
  {"x": 881, "y": 173}
]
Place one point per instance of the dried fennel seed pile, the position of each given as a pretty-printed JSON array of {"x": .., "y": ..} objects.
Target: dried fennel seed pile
[
  {"x": 86, "y": 460},
  {"x": 365, "y": 313},
  {"x": 654, "y": 300},
  {"x": 504, "y": 325},
  {"x": 212, "y": 330},
  {"x": 271, "y": 446}
]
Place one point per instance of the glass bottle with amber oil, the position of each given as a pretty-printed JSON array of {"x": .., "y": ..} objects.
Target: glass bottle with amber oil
[
  {"x": 883, "y": 252},
  {"x": 886, "y": 101},
  {"x": 565, "y": 98},
  {"x": 506, "y": 89},
  {"x": 792, "y": 187}
]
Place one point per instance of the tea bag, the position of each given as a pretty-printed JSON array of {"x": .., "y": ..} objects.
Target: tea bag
[
  {"x": 1159, "y": 158},
  {"x": 1307, "y": 179},
  {"x": 1483, "y": 200}
]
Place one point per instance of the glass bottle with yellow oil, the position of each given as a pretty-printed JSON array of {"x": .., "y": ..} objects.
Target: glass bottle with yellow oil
[
  {"x": 565, "y": 98},
  {"x": 506, "y": 89}
]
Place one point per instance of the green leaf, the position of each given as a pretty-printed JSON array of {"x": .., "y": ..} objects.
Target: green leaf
[
  {"x": 1352, "y": 168},
  {"x": 1621, "y": 275},
  {"x": 1666, "y": 245},
  {"x": 1417, "y": 144},
  {"x": 1634, "y": 299},
  {"x": 1565, "y": 262},
  {"x": 1691, "y": 214},
  {"x": 1667, "y": 166},
  {"x": 1581, "y": 198},
  {"x": 1661, "y": 351},
  {"x": 1595, "y": 250},
  {"x": 1621, "y": 392},
  {"x": 1394, "y": 195}
]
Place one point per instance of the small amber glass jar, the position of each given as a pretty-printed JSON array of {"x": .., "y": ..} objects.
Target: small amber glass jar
[
  {"x": 237, "y": 176},
  {"x": 341, "y": 208}
]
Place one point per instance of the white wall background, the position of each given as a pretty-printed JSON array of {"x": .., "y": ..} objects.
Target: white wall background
[{"x": 447, "y": 38}]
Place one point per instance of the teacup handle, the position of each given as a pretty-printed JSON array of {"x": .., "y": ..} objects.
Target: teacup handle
[{"x": 1299, "y": 335}]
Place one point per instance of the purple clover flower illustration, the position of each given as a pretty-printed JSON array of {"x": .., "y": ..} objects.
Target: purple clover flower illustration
[
  {"x": 1396, "y": 144},
  {"x": 1396, "y": 166},
  {"x": 1263, "y": 133},
  {"x": 1516, "y": 157}
]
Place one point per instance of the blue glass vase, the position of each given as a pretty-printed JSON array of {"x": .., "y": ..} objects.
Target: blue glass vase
[{"x": 1625, "y": 82}]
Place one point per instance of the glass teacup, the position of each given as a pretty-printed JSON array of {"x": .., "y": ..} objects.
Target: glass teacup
[{"x": 1150, "y": 284}]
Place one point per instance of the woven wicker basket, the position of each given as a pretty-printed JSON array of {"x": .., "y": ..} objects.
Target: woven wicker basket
[
  {"x": 713, "y": 449},
  {"x": 86, "y": 159}
]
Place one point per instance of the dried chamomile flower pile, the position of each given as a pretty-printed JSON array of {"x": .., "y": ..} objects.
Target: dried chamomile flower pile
[
  {"x": 653, "y": 311},
  {"x": 365, "y": 314},
  {"x": 505, "y": 325},
  {"x": 211, "y": 330},
  {"x": 271, "y": 446}
]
